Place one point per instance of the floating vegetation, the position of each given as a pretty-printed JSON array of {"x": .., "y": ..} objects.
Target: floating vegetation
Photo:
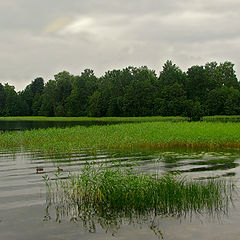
[{"x": 108, "y": 195}]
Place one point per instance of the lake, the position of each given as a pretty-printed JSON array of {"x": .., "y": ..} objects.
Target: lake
[
  {"x": 15, "y": 125},
  {"x": 25, "y": 212}
]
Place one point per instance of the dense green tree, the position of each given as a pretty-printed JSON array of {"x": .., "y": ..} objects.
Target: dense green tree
[
  {"x": 37, "y": 86},
  {"x": 171, "y": 74},
  {"x": 223, "y": 101},
  {"x": 2, "y": 100},
  {"x": 232, "y": 103},
  {"x": 14, "y": 106},
  {"x": 82, "y": 88},
  {"x": 196, "y": 84},
  {"x": 172, "y": 101},
  {"x": 212, "y": 89},
  {"x": 96, "y": 107},
  {"x": 140, "y": 94},
  {"x": 221, "y": 75},
  {"x": 227, "y": 75},
  {"x": 64, "y": 81},
  {"x": 48, "y": 99},
  {"x": 31, "y": 95}
]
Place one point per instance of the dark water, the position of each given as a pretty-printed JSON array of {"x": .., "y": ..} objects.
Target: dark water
[
  {"x": 25, "y": 214},
  {"x": 28, "y": 125}
]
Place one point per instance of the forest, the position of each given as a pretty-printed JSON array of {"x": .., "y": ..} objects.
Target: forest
[{"x": 212, "y": 89}]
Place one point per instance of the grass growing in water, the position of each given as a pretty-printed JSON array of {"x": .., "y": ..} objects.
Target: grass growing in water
[
  {"x": 117, "y": 192},
  {"x": 159, "y": 135}
]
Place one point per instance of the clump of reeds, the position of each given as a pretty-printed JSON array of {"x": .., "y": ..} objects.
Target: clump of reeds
[{"x": 105, "y": 191}]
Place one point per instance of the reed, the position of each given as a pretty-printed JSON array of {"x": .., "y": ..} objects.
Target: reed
[
  {"x": 105, "y": 191},
  {"x": 149, "y": 135}
]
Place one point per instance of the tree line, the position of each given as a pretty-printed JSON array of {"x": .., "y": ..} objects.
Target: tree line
[{"x": 212, "y": 89}]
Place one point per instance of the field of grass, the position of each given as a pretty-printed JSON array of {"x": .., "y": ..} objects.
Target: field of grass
[
  {"x": 97, "y": 119},
  {"x": 149, "y": 135},
  {"x": 107, "y": 191}
]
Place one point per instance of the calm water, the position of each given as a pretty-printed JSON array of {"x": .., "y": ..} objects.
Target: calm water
[
  {"x": 25, "y": 213},
  {"x": 28, "y": 125}
]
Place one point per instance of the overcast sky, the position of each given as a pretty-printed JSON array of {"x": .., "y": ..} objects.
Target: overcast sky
[{"x": 42, "y": 38}]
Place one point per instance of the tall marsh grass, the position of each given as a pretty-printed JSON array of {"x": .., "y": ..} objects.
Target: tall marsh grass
[
  {"x": 117, "y": 192},
  {"x": 149, "y": 135}
]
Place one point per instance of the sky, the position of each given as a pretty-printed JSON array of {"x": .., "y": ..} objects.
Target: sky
[{"x": 43, "y": 38}]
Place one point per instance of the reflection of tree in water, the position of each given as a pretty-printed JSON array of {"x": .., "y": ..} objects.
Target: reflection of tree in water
[{"x": 109, "y": 221}]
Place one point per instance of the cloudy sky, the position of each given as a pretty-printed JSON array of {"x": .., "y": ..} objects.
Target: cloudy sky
[{"x": 42, "y": 38}]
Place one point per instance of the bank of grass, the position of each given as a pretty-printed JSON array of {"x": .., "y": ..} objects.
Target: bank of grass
[
  {"x": 95, "y": 119},
  {"x": 149, "y": 135},
  {"x": 222, "y": 118},
  {"x": 104, "y": 191}
]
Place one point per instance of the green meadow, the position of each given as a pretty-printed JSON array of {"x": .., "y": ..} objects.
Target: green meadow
[{"x": 148, "y": 135}]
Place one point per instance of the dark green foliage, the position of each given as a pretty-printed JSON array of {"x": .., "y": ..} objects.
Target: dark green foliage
[
  {"x": 212, "y": 89},
  {"x": 171, "y": 74},
  {"x": 172, "y": 101},
  {"x": 197, "y": 83},
  {"x": 31, "y": 95},
  {"x": 223, "y": 101},
  {"x": 82, "y": 88},
  {"x": 2, "y": 100},
  {"x": 14, "y": 104}
]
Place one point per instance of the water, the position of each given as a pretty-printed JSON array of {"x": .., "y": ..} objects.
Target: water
[
  {"x": 28, "y": 125},
  {"x": 25, "y": 214}
]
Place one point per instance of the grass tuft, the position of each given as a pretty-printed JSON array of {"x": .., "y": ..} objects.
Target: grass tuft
[{"x": 105, "y": 192}]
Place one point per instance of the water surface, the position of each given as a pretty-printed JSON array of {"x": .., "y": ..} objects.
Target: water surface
[
  {"x": 25, "y": 213},
  {"x": 15, "y": 125}
]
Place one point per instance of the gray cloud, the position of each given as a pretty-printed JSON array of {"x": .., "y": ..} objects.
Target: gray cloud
[{"x": 41, "y": 38}]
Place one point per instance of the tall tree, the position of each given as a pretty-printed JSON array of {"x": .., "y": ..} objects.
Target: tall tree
[
  {"x": 171, "y": 74},
  {"x": 2, "y": 100},
  {"x": 82, "y": 88}
]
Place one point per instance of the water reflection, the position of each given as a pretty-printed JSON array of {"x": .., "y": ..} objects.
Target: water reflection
[
  {"x": 22, "y": 190},
  {"x": 15, "y": 125},
  {"x": 110, "y": 222}
]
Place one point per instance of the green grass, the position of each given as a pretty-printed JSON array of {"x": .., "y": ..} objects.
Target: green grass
[
  {"x": 222, "y": 118},
  {"x": 97, "y": 119},
  {"x": 148, "y": 135},
  {"x": 104, "y": 192}
]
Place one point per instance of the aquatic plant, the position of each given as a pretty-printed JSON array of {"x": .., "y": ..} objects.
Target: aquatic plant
[
  {"x": 119, "y": 192},
  {"x": 149, "y": 135}
]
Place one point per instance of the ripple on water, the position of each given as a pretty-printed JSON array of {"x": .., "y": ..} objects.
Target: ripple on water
[{"x": 22, "y": 191}]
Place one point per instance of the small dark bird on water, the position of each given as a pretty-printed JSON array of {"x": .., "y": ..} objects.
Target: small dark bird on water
[
  {"x": 59, "y": 169},
  {"x": 39, "y": 169}
]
